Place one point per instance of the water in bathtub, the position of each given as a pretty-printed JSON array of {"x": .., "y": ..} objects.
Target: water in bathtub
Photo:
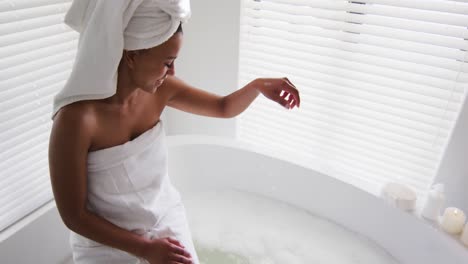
[{"x": 231, "y": 227}]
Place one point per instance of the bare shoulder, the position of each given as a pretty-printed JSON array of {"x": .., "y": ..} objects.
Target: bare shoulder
[
  {"x": 171, "y": 87},
  {"x": 73, "y": 126}
]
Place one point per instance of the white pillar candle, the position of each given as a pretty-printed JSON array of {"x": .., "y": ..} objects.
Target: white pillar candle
[
  {"x": 453, "y": 220},
  {"x": 434, "y": 203},
  {"x": 464, "y": 236}
]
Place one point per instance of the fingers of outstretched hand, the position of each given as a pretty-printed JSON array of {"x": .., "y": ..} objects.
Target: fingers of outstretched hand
[
  {"x": 292, "y": 103},
  {"x": 282, "y": 91},
  {"x": 289, "y": 82},
  {"x": 287, "y": 86},
  {"x": 282, "y": 100},
  {"x": 286, "y": 100}
]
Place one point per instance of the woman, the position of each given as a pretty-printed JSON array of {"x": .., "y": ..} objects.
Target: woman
[{"x": 107, "y": 155}]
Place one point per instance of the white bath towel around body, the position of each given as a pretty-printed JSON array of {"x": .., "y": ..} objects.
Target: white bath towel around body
[{"x": 129, "y": 186}]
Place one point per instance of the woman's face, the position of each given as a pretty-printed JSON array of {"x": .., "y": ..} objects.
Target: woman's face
[{"x": 149, "y": 68}]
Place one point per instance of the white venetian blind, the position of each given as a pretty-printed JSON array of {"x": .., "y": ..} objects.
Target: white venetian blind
[
  {"x": 36, "y": 54},
  {"x": 381, "y": 82}
]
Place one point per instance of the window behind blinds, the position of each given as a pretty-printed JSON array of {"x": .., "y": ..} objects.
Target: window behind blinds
[
  {"x": 381, "y": 82},
  {"x": 36, "y": 56}
]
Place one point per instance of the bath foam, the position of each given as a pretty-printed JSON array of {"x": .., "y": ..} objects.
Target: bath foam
[{"x": 241, "y": 228}]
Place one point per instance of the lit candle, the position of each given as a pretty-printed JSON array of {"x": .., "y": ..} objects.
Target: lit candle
[
  {"x": 464, "y": 236},
  {"x": 453, "y": 220}
]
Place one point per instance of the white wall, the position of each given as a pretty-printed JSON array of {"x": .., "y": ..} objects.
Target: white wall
[
  {"x": 453, "y": 171},
  {"x": 208, "y": 60}
]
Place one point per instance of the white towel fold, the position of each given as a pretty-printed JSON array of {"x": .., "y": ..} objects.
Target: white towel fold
[{"x": 106, "y": 28}]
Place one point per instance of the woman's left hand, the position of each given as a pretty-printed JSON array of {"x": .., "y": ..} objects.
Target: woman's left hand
[{"x": 280, "y": 90}]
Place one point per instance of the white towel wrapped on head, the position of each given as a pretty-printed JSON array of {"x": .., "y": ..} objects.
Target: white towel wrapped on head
[{"x": 106, "y": 28}]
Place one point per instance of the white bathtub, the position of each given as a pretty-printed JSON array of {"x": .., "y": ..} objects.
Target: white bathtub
[
  {"x": 208, "y": 163},
  {"x": 198, "y": 163}
]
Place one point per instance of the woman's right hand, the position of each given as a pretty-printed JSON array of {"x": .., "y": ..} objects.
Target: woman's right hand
[{"x": 166, "y": 251}]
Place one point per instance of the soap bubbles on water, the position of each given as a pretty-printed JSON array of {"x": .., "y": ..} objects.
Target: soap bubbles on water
[{"x": 239, "y": 228}]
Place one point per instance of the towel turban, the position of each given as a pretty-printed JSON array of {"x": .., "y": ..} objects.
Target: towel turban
[{"x": 106, "y": 28}]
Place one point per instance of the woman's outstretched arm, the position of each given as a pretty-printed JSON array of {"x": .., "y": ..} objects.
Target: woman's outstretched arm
[{"x": 190, "y": 99}]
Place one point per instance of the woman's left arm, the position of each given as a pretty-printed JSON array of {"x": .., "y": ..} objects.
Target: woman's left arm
[{"x": 190, "y": 99}]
